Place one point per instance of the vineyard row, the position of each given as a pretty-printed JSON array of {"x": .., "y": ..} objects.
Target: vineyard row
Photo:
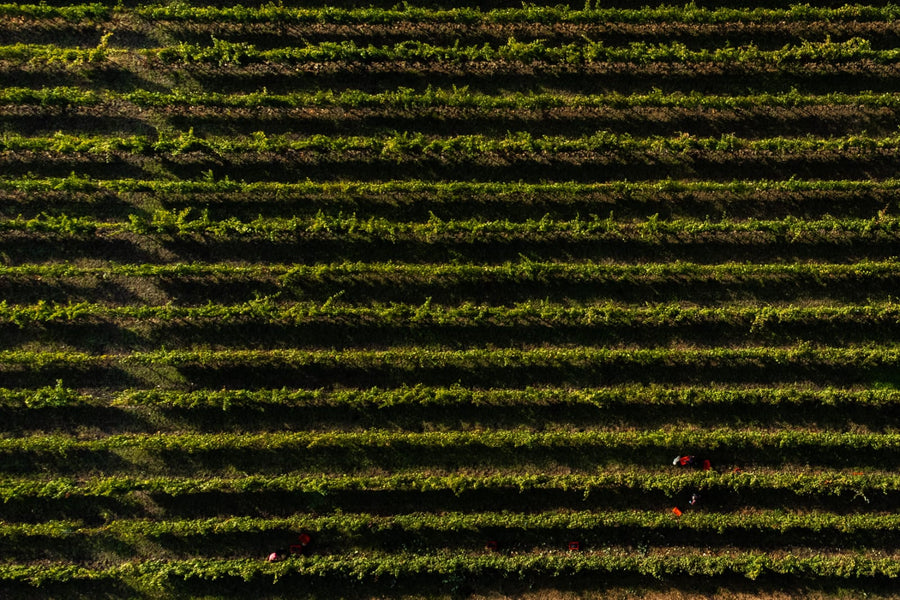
[
  {"x": 395, "y": 273},
  {"x": 452, "y": 190},
  {"x": 523, "y": 314},
  {"x": 840, "y": 484},
  {"x": 159, "y": 575},
  {"x": 411, "y": 99},
  {"x": 222, "y": 53},
  {"x": 353, "y": 228},
  {"x": 459, "y": 397},
  {"x": 355, "y": 524},
  {"x": 415, "y": 145},
  {"x": 787, "y": 444},
  {"x": 416, "y": 200},
  {"x": 419, "y": 358},
  {"x": 277, "y": 13}
]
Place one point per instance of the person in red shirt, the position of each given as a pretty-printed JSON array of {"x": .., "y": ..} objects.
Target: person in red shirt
[
  {"x": 692, "y": 461},
  {"x": 684, "y": 461}
]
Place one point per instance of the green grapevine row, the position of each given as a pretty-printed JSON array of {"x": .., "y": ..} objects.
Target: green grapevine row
[
  {"x": 792, "y": 443},
  {"x": 527, "y": 14},
  {"x": 455, "y": 190},
  {"x": 417, "y": 358},
  {"x": 411, "y": 99},
  {"x": 222, "y": 53},
  {"x": 417, "y": 145},
  {"x": 458, "y": 396},
  {"x": 277, "y": 13},
  {"x": 396, "y": 274},
  {"x": 523, "y": 314},
  {"x": 435, "y": 229},
  {"x": 349, "y": 524},
  {"x": 157, "y": 574},
  {"x": 809, "y": 485}
]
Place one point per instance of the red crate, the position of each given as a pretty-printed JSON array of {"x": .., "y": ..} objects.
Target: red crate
[{"x": 574, "y": 545}]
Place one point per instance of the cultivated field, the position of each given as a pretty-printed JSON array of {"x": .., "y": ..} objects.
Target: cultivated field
[{"x": 414, "y": 279}]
